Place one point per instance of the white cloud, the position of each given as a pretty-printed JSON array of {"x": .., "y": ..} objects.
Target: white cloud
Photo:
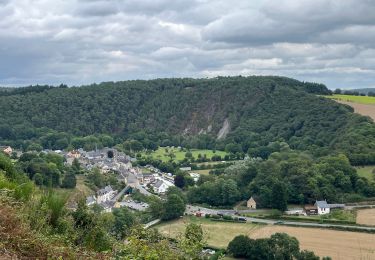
[{"x": 84, "y": 41}]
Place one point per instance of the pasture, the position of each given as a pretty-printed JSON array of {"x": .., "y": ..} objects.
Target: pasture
[
  {"x": 324, "y": 242},
  {"x": 165, "y": 154}
]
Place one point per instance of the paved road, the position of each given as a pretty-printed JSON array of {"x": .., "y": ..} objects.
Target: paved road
[{"x": 190, "y": 209}]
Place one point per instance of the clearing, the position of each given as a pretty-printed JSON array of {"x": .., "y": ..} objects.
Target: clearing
[
  {"x": 366, "y": 172},
  {"x": 167, "y": 153},
  {"x": 366, "y": 216},
  {"x": 324, "y": 242}
]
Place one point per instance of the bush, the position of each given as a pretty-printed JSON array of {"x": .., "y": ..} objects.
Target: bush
[{"x": 227, "y": 217}]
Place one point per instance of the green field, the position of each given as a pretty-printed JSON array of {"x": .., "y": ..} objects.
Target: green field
[
  {"x": 366, "y": 172},
  {"x": 165, "y": 153},
  {"x": 218, "y": 234},
  {"x": 355, "y": 99}
]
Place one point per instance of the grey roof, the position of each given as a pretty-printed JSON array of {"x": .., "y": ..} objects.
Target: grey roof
[
  {"x": 321, "y": 204},
  {"x": 324, "y": 204},
  {"x": 106, "y": 190},
  {"x": 90, "y": 199},
  {"x": 158, "y": 184}
]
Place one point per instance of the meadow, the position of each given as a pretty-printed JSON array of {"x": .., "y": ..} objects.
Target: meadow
[
  {"x": 324, "y": 242},
  {"x": 178, "y": 154},
  {"x": 366, "y": 217}
]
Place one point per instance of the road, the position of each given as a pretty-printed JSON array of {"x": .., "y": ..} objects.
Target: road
[{"x": 190, "y": 209}]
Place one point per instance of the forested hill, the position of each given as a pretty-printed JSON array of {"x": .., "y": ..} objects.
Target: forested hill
[{"x": 240, "y": 114}]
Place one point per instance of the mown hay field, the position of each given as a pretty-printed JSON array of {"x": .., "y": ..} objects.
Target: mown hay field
[
  {"x": 366, "y": 216},
  {"x": 324, "y": 242}
]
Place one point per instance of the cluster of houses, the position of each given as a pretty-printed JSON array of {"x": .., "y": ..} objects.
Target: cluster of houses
[
  {"x": 106, "y": 159},
  {"x": 103, "y": 198},
  {"x": 320, "y": 207}
]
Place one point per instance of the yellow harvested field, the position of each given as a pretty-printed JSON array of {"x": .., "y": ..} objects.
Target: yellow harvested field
[
  {"x": 362, "y": 109},
  {"x": 341, "y": 245},
  {"x": 366, "y": 216}
]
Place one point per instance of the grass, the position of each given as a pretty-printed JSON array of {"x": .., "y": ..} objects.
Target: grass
[
  {"x": 355, "y": 99},
  {"x": 203, "y": 172},
  {"x": 366, "y": 172},
  {"x": 162, "y": 153},
  {"x": 218, "y": 234}
]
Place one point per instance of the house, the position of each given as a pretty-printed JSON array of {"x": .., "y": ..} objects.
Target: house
[
  {"x": 251, "y": 203},
  {"x": 325, "y": 208},
  {"x": 195, "y": 176},
  {"x": 160, "y": 187},
  {"x": 6, "y": 149},
  {"x": 91, "y": 200},
  {"x": 107, "y": 206},
  {"x": 105, "y": 194},
  {"x": 74, "y": 154},
  {"x": 311, "y": 210}
]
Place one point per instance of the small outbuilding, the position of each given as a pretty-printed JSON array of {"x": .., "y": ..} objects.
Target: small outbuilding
[{"x": 251, "y": 203}]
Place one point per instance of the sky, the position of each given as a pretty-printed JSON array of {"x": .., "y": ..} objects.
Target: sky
[{"x": 85, "y": 41}]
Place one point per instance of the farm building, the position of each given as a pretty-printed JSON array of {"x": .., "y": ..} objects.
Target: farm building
[{"x": 251, "y": 203}]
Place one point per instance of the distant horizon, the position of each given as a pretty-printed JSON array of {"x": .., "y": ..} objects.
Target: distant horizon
[{"x": 92, "y": 83}]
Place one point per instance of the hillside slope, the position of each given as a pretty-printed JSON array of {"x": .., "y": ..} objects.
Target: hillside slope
[{"x": 246, "y": 112}]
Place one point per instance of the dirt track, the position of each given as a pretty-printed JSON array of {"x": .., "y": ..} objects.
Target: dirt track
[
  {"x": 336, "y": 244},
  {"x": 363, "y": 109}
]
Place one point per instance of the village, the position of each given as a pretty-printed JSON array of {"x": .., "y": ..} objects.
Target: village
[{"x": 150, "y": 181}]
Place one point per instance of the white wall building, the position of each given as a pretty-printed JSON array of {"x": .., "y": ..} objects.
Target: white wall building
[{"x": 105, "y": 194}]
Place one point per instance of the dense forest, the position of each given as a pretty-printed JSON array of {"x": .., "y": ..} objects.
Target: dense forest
[{"x": 237, "y": 114}]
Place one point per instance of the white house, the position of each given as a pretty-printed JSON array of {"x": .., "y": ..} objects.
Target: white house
[
  {"x": 105, "y": 194},
  {"x": 322, "y": 206},
  {"x": 160, "y": 187},
  {"x": 325, "y": 208}
]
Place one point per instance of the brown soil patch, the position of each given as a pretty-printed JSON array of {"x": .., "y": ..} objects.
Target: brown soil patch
[
  {"x": 366, "y": 216},
  {"x": 362, "y": 109},
  {"x": 324, "y": 242}
]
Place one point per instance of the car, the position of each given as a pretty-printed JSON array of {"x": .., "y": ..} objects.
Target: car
[{"x": 242, "y": 219}]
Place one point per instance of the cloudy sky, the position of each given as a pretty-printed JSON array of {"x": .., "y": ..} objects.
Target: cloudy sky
[{"x": 85, "y": 41}]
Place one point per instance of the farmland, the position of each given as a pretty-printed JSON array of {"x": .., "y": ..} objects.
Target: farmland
[
  {"x": 362, "y": 105},
  {"x": 165, "y": 154},
  {"x": 354, "y": 99},
  {"x": 337, "y": 244},
  {"x": 366, "y": 217}
]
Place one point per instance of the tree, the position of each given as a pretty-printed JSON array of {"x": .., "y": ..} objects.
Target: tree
[
  {"x": 239, "y": 246},
  {"x": 279, "y": 197},
  {"x": 192, "y": 242},
  {"x": 174, "y": 207},
  {"x": 69, "y": 181},
  {"x": 124, "y": 220},
  {"x": 179, "y": 181},
  {"x": 76, "y": 166}
]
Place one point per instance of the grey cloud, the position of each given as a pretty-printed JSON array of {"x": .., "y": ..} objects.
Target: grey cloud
[{"x": 85, "y": 41}]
